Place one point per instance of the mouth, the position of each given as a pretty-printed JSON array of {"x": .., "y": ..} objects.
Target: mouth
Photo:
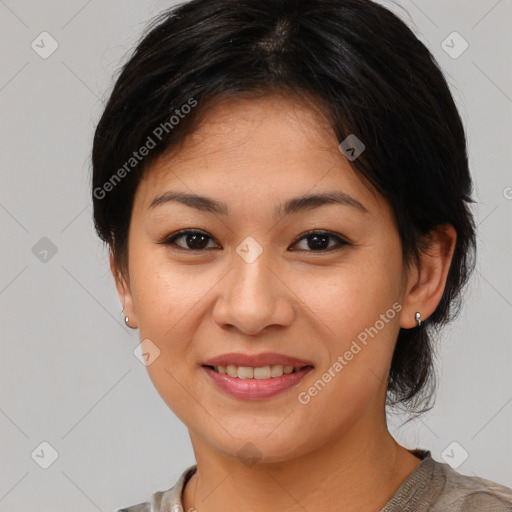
[
  {"x": 255, "y": 377},
  {"x": 251, "y": 383}
]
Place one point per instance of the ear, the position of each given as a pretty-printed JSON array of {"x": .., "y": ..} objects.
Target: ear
[
  {"x": 426, "y": 282},
  {"x": 124, "y": 292}
]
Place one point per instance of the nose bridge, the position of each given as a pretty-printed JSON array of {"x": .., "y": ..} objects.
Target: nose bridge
[
  {"x": 251, "y": 284},
  {"x": 254, "y": 297}
]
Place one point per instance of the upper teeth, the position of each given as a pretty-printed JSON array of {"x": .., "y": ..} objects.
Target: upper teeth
[{"x": 248, "y": 372}]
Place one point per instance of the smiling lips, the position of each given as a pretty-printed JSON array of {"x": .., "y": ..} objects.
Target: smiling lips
[{"x": 256, "y": 377}]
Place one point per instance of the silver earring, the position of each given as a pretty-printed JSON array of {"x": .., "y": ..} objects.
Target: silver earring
[
  {"x": 418, "y": 318},
  {"x": 127, "y": 319}
]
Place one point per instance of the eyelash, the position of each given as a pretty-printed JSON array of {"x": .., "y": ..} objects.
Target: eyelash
[{"x": 170, "y": 241}]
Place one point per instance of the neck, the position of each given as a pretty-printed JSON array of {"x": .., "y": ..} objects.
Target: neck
[{"x": 360, "y": 471}]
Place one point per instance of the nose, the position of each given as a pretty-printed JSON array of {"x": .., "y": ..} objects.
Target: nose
[{"x": 254, "y": 296}]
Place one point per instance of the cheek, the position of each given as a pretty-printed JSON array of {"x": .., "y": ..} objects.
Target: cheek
[
  {"x": 356, "y": 308},
  {"x": 167, "y": 301},
  {"x": 165, "y": 294},
  {"x": 345, "y": 300}
]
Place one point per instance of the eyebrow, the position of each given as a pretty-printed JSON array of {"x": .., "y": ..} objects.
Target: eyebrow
[{"x": 294, "y": 205}]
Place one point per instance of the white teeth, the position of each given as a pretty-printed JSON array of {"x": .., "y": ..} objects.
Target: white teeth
[
  {"x": 276, "y": 370},
  {"x": 245, "y": 372},
  {"x": 248, "y": 372},
  {"x": 231, "y": 370},
  {"x": 262, "y": 372}
]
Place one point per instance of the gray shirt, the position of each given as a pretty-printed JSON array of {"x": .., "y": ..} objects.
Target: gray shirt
[{"x": 432, "y": 487}]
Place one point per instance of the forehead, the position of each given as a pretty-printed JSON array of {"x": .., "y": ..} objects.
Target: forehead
[{"x": 265, "y": 149}]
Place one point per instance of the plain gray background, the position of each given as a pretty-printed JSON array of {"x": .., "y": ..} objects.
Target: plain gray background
[{"x": 68, "y": 373}]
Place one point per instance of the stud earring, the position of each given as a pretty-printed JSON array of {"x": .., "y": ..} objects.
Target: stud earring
[
  {"x": 127, "y": 319},
  {"x": 418, "y": 318}
]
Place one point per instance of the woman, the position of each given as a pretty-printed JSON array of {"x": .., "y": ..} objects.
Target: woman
[{"x": 284, "y": 189}]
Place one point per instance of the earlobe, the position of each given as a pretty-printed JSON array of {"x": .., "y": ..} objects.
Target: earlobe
[
  {"x": 427, "y": 282},
  {"x": 124, "y": 292}
]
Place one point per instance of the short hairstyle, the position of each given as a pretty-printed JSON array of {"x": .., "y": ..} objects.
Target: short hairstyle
[{"x": 354, "y": 60}]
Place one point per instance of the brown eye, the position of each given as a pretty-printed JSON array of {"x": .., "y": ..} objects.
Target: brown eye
[
  {"x": 191, "y": 240},
  {"x": 318, "y": 241}
]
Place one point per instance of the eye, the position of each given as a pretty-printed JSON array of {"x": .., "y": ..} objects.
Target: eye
[
  {"x": 318, "y": 241},
  {"x": 194, "y": 240}
]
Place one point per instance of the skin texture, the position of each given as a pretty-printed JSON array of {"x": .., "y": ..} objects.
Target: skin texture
[{"x": 254, "y": 154}]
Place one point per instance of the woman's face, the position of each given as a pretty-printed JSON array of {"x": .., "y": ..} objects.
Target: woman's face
[{"x": 254, "y": 282}]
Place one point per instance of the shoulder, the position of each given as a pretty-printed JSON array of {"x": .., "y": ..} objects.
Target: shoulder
[
  {"x": 436, "y": 487},
  {"x": 462, "y": 493},
  {"x": 164, "y": 501}
]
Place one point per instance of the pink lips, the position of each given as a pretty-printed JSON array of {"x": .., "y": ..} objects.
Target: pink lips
[{"x": 256, "y": 389}]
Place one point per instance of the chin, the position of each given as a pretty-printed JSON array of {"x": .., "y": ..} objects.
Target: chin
[{"x": 257, "y": 446}]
